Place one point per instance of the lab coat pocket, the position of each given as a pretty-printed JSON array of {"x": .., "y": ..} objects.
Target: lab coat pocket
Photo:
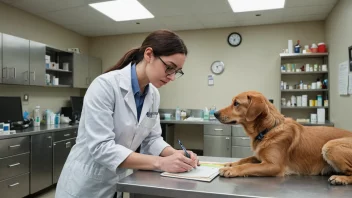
[
  {"x": 148, "y": 122},
  {"x": 85, "y": 180}
]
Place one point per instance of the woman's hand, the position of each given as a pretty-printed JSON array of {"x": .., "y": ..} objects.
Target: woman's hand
[
  {"x": 177, "y": 162},
  {"x": 194, "y": 157}
]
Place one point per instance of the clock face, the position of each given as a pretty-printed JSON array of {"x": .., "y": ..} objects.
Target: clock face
[
  {"x": 234, "y": 39},
  {"x": 217, "y": 67}
]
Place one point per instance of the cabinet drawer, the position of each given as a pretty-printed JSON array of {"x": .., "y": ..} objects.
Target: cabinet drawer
[
  {"x": 241, "y": 141},
  {"x": 12, "y": 166},
  {"x": 217, "y": 129},
  {"x": 64, "y": 135},
  {"x": 15, "y": 187},
  {"x": 238, "y": 131},
  {"x": 14, "y": 146},
  {"x": 241, "y": 151}
]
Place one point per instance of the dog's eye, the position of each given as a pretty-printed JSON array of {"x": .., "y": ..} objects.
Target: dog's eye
[{"x": 236, "y": 104}]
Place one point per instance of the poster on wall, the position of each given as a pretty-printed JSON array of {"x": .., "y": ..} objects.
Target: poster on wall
[{"x": 343, "y": 78}]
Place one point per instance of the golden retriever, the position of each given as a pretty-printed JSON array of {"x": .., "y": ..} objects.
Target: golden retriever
[{"x": 282, "y": 146}]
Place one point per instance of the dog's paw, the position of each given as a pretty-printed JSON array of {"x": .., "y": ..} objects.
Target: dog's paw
[
  {"x": 232, "y": 164},
  {"x": 228, "y": 172},
  {"x": 339, "y": 180}
]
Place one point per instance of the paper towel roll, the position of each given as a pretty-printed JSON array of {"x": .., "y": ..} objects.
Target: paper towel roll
[{"x": 290, "y": 46}]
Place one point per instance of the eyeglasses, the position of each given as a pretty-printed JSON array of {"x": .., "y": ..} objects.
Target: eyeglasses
[{"x": 170, "y": 70}]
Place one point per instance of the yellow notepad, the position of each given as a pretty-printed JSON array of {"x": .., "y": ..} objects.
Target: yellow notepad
[{"x": 201, "y": 173}]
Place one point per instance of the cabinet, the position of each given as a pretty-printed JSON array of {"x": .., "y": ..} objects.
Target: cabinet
[
  {"x": 290, "y": 86},
  {"x": 63, "y": 142},
  {"x": 36, "y": 63},
  {"x": 15, "y": 65},
  {"x": 240, "y": 143},
  {"x": 41, "y": 162},
  {"x": 1, "y": 76},
  {"x": 86, "y": 68},
  {"x": 14, "y": 167},
  {"x": 217, "y": 140}
]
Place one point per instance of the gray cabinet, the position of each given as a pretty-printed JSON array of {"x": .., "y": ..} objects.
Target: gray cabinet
[
  {"x": 15, "y": 60},
  {"x": 86, "y": 69},
  {"x": 240, "y": 143},
  {"x": 1, "y": 76},
  {"x": 37, "y": 63},
  {"x": 61, "y": 151},
  {"x": 217, "y": 140},
  {"x": 15, "y": 187},
  {"x": 41, "y": 162}
]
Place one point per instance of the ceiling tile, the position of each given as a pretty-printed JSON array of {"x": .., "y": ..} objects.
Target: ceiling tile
[
  {"x": 301, "y": 3},
  {"x": 185, "y": 7},
  {"x": 78, "y": 15},
  {"x": 181, "y": 22},
  {"x": 305, "y": 10},
  {"x": 305, "y": 18},
  {"x": 213, "y": 19}
]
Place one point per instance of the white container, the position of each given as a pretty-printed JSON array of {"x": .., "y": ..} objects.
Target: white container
[
  {"x": 314, "y": 85},
  {"x": 299, "y": 101},
  {"x": 36, "y": 116},
  {"x": 304, "y": 100},
  {"x": 318, "y": 85},
  {"x": 65, "y": 66},
  {"x": 313, "y": 118},
  {"x": 324, "y": 68},
  {"x": 293, "y": 100},
  {"x": 52, "y": 118},
  {"x": 290, "y": 46},
  {"x": 178, "y": 114},
  {"x": 321, "y": 115}
]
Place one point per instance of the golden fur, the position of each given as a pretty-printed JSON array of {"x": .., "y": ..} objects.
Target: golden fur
[{"x": 289, "y": 147}]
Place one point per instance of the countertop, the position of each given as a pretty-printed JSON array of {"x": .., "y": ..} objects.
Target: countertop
[
  {"x": 204, "y": 122},
  {"x": 39, "y": 130},
  {"x": 151, "y": 183}
]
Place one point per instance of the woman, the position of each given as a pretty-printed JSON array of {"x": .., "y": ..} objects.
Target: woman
[{"x": 119, "y": 115}]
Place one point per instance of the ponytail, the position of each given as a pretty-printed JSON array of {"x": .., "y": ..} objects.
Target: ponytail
[{"x": 130, "y": 56}]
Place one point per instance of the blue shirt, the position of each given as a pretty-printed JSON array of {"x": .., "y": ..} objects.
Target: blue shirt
[{"x": 138, "y": 97}]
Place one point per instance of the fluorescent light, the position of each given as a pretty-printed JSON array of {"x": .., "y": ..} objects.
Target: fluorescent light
[
  {"x": 123, "y": 10},
  {"x": 255, "y": 5}
]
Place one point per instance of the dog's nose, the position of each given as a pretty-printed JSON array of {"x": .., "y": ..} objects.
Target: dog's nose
[{"x": 217, "y": 114}]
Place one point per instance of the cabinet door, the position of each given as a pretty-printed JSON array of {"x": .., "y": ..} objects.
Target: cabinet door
[
  {"x": 61, "y": 152},
  {"x": 1, "y": 68},
  {"x": 41, "y": 162},
  {"x": 217, "y": 146},
  {"x": 15, "y": 60},
  {"x": 37, "y": 63},
  {"x": 80, "y": 71},
  {"x": 241, "y": 151},
  {"x": 95, "y": 67}
]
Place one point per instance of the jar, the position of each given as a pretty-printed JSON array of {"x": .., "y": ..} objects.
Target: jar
[{"x": 319, "y": 100}]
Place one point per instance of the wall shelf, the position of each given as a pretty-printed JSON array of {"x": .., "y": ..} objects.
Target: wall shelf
[{"x": 304, "y": 90}]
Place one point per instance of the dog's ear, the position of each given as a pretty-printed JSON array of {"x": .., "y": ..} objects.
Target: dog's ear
[{"x": 256, "y": 107}]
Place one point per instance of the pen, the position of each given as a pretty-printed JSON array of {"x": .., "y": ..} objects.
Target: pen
[{"x": 184, "y": 149}]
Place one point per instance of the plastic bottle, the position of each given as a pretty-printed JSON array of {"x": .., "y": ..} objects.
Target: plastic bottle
[
  {"x": 37, "y": 116},
  {"x": 206, "y": 114},
  {"x": 212, "y": 112},
  {"x": 178, "y": 114}
]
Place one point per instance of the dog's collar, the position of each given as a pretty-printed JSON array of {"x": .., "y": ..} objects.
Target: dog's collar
[{"x": 261, "y": 135}]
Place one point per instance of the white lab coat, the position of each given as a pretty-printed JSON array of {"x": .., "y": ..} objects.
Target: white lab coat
[{"x": 108, "y": 132}]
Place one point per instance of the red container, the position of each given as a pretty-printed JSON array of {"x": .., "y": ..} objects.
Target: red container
[{"x": 321, "y": 47}]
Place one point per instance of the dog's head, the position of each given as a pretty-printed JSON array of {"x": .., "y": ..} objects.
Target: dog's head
[{"x": 246, "y": 107}]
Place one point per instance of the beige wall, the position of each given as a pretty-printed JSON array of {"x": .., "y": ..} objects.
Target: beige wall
[
  {"x": 339, "y": 37},
  {"x": 19, "y": 23},
  {"x": 253, "y": 65}
]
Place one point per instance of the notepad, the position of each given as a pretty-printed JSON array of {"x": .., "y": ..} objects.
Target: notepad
[{"x": 201, "y": 173}]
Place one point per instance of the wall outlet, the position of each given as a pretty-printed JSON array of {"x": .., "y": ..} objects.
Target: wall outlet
[{"x": 26, "y": 97}]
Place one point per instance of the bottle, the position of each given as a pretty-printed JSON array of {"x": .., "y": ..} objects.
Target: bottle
[
  {"x": 297, "y": 47},
  {"x": 178, "y": 114},
  {"x": 206, "y": 114},
  {"x": 212, "y": 112},
  {"x": 37, "y": 116}
]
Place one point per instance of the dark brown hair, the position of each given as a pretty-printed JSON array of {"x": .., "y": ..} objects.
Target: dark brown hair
[{"x": 163, "y": 43}]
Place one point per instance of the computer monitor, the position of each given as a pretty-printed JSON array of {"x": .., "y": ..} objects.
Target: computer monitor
[
  {"x": 10, "y": 109},
  {"x": 77, "y": 105}
]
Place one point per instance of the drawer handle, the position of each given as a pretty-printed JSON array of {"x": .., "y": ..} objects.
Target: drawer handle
[
  {"x": 12, "y": 165},
  {"x": 218, "y": 129},
  {"x": 14, "y": 146},
  {"x": 245, "y": 138},
  {"x": 67, "y": 135},
  {"x": 68, "y": 144},
  {"x": 15, "y": 184}
]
